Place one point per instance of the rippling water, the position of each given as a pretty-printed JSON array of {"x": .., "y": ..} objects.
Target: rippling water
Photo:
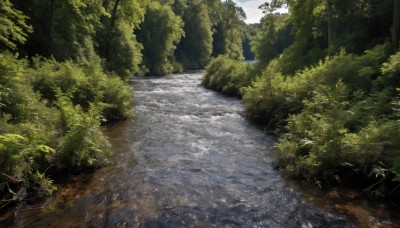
[{"x": 187, "y": 159}]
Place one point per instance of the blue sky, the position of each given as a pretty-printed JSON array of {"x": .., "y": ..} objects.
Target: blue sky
[{"x": 251, "y": 8}]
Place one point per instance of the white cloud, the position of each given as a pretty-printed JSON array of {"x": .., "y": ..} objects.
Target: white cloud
[{"x": 250, "y": 7}]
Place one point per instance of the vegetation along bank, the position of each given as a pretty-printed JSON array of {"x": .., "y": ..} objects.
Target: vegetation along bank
[
  {"x": 65, "y": 68},
  {"x": 327, "y": 77},
  {"x": 327, "y": 80}
]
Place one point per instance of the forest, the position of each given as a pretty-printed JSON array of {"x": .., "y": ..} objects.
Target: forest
[{"x": 326, "y": 81}]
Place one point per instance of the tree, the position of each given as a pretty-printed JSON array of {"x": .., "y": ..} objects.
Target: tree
[
  {"x": 274, "y": 36},
  {"x": 357, "y": 25},
  {"x": 396, "y": 25},
  {"x": 228, "y": 33},
  {"x": 159, "y": 34},
  {"x": 195, "y": 48},
  {"x": 250, "y": 31},
  {"x": 62, "y": 29},
  {"x": 13, "y": 27},
  {"x": 330, "y": 25},
  {"x": 271, "y": 7},
  {"x": 117, "y": 42}
]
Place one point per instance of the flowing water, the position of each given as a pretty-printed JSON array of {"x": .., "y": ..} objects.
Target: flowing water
[{"x": 188, "y": 158}]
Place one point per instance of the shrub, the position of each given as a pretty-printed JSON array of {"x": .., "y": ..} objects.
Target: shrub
[
  {"x": 273, "y": 96},
  {"x": 117, "y": 96},
  {"x": 311, "y": 148},
  {"x": 227, "y": 75},
  {"x": 86, "y": 83},
  {"x": 343, "y": 131},
  {"x": 83, "y": 144},
  {"x": 20, "y": 169},
  {"x": 16, "y": 96},
  {"x": 65, "y": 113},
  {"x": 68, "y": 77}
]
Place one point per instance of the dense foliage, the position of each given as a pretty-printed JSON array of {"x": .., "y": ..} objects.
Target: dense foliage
[
  {"x": 194, "y": 50},
  {"x": 160, "y": 33},
  {"x": 227, "y": 75},
  {"x": 274, "y": 36},
  {"x": 117, "y": 43},
  {"x": 327, "y": 80},
  {"x": 50, "y": 118},
  {"x": 51, "y": 109},
  {"x": 77, "y": 59}
]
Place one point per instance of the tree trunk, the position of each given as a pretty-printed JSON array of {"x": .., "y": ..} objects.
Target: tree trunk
[
  {"x": 52, "y": 25},
  {"x": 114, "y": 14},
  {"x": 330, "y": 23},
  {"x": 111, "y": 30},
  {"x": 396, "y": 25}
]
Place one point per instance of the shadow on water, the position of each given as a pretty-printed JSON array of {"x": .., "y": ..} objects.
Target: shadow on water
[{"x": 188, "y": 158}]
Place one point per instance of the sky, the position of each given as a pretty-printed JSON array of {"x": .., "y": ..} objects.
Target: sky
[{"x": 250, "y": 7}]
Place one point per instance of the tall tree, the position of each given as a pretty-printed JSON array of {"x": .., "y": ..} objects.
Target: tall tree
[
  {"x": 274, "y": 36},
  {"x": 396, "y": 25},
  {"x": 330, "y": 22},
  {"x": 228, "y": 33},
  {"x": 117, "y": 42},
  {"x": 249, "y": 34},
  {"x": 63, "y": 29},
  {"x": 159, "y": 33},
  {"x": 195, "y": 48},
  {"x": 53, "y": 8}
]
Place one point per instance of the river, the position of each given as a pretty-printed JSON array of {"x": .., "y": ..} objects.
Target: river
[{"x": 188, "y": 158}]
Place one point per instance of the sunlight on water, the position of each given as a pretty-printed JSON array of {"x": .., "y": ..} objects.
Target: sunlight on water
[{"x": 187, "y": 159}]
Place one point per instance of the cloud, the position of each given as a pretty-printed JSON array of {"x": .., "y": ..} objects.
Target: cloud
[{"x": 250, "y": 7}]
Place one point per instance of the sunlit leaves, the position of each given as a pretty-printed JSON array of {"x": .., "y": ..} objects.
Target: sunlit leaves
[
  {"x": 13, "y": 27},
  {"x": 194, "y": 49},
  {"x": 160, "y": 34}
]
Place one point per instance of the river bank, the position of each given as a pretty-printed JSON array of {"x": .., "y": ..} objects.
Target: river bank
[{"x": 189, "y": 158}]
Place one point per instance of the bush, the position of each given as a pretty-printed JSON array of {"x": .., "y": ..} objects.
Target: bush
[
  {"x": 65, "y": 113},
  {"x": 343, "y": 131},
  {"x": 83, "y": 144},
  {"x": 85, "y": 83},
  {"x": 318, "y": 145},
  {"x": 114, "y": 93},
  {"x": 16, "y": 97},
  {"x": 311, "y": 147},
  {"x": 227, "y": 75},
  {"x": 20, "y": 170},
  {"x": 273, "y": 96}
]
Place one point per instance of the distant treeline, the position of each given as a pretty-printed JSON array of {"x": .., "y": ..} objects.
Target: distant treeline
[{"x": 141, "y": 37}]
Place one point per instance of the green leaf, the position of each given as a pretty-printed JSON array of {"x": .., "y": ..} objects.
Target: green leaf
[{"x": 45, "y": 149}]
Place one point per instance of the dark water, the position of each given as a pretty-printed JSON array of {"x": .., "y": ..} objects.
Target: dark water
[{"x": 187, "y": 159}]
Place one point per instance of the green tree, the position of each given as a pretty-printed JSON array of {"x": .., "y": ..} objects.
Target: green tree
[
  {"x": 159, "y": 33},
  {"x": 396, "y": 25},
  {"x": 195, "y": 48},
  {"x": 250, "y": 31},
  {"x": 13, "y": 27},
  {"x": 118, "y": 44},
  {"x": 63, "y": 29},
  {"x": 228, "y": 29},
  {"x": 373, "y": 20},
  {"x": 272, "y": 38}
]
